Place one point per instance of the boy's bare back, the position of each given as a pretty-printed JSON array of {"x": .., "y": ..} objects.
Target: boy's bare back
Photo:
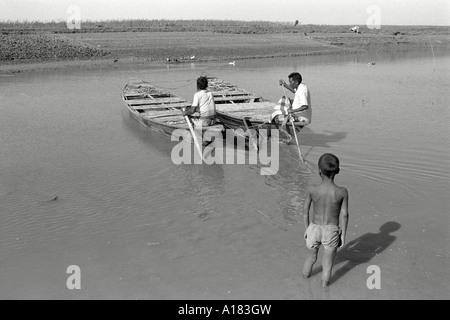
[{"x": 328, "y": 201}]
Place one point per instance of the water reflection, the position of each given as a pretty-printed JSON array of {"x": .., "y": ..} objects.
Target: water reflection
[
  {"x": 288, "y": 184},
  {"x": 157, "y": 141},
  {"x": 203, "y": 182},
  {"x": 313, "y": 290}
]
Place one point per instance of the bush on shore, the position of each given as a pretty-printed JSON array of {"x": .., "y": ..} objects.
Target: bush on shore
[{"x": 44, "y": 46}]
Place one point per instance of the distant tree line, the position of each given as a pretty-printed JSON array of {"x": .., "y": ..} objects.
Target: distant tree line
[{"x": 219, "y": 26}]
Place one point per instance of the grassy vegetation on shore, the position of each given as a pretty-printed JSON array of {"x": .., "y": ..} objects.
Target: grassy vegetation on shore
[
  {"x": 217, "y": 26},
  {"x": 44, "y": 46},
  {"x": 155, "y": 40}
]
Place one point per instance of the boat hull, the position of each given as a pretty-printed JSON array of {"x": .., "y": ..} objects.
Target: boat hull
[{"x": 159, "y": 110}]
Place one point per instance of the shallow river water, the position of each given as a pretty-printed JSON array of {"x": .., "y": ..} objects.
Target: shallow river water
[{"x": 140, "y": 227}]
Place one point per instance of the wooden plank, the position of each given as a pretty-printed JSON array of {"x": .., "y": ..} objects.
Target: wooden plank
[
  {"x": 160, "y": 106},
  {"x": 231, "y": 94},
  {"x": 233, "y": 98},
  {"x": 258, "y": 117},
  {"x": 161, "y": 95},
  {"x": 179, "y": 119},
  {"x": 228, "y": 107},
  {"x": 259, "y": 111},
  {"x": 242, "y": 114},
  {"x": 155, "y": 101},
  {"x": 133, "y": 94},
  {"x": 161, "y": 114},
  {"x": 144, "y": 89}
]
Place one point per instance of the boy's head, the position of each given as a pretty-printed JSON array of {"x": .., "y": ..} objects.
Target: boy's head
[
  {"x": 329, "y": 165},
  {"x": 202, "y": 83},
  {"x": 295, "y": 79}
]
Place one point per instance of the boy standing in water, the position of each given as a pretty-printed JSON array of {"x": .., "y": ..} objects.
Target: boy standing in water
[{"x": 330, "y": 204}]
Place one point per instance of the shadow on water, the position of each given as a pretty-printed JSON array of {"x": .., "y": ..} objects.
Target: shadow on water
[
  {"x": 362, "y": 250},
  {"x": 311, "y": 139}
]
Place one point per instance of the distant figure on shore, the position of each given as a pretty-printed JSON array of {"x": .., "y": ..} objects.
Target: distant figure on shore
[
  {"x": 301, "y": 105},
  {"x": 355, "y": 29},
  {"x": 328, "y": 225},
  {"x": 203, "y": 104}
]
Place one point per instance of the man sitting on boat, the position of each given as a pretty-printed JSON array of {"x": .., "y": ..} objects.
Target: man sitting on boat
[
  {"x": 301, "y": 105},
  {"x": 203, "y": 104}
]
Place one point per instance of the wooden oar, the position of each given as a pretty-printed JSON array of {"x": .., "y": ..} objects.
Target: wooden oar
[
  {"x": 250, "y": 135},
  {"x": 295, "y": 133},
  {"x": 199, "y": 149},
  {"x": 296, "y": 140}
]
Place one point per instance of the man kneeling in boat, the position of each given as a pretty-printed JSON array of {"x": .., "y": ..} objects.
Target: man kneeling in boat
[
  {"x": 203, "y": 104},
  {"x": 301, "y": 105}
]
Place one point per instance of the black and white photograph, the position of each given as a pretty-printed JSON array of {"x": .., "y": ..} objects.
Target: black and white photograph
[{"x": 224, "y": 155}]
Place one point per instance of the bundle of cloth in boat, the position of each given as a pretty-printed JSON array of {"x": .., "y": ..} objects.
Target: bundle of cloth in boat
[{"x": 282, "y": 113}]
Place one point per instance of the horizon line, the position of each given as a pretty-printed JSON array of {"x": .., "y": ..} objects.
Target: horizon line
[{"x": 218, "y": 20}]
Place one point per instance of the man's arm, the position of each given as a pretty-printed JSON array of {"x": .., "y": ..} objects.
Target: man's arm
[
  {"x": 344, "y": 217},
  {"x": 302, "y": 108},
  {"x": 284, "y": 84},
  {"x": 306, "y": 209}
]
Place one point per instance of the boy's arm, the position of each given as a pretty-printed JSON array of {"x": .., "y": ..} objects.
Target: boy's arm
[
  {"x": 187, "y": 111},
  {"x": 195, "y": 104},
  {"x": 344, "y": 217},
  {"x": 306, "y": 209}
]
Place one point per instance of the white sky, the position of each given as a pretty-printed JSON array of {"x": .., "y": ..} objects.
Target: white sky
[{"x": 399, "y": 12}]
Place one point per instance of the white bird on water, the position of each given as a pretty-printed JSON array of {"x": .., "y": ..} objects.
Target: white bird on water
[{"x": 232, "y": 63}]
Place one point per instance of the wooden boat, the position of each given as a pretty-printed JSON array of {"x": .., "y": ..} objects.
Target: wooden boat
[
  {"x": 158, "y": 109},
  {"x": 239, "y": 109}
]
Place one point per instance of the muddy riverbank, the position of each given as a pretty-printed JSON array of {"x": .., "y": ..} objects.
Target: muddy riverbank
[{"x": 22, "y": 51}]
